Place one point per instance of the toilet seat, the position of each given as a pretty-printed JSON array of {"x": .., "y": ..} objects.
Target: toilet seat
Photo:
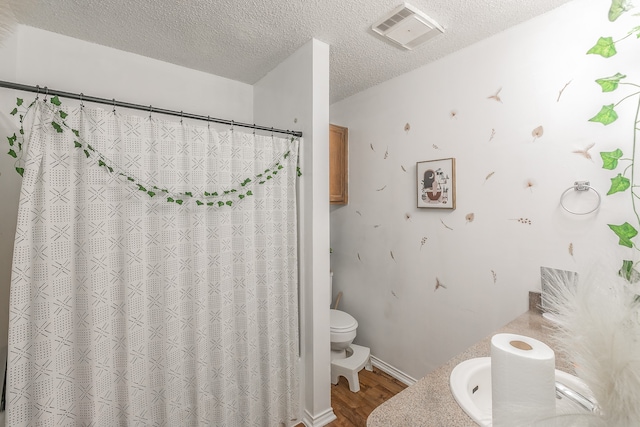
[{"x": 340, "y": 321}]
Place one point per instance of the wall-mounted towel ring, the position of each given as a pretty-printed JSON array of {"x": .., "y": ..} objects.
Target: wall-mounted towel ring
[{"x": 580, "y": 186}]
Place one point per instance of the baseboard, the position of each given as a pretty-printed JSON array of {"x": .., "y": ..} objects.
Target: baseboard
[
  {"x": 393, "y": 371},
  {"x": 319, "y": 420}
]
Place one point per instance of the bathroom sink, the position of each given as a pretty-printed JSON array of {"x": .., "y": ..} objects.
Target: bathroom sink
[{"x": 470, "y": 383}]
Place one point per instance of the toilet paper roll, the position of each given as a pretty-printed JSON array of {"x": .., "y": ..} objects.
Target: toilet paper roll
[{"x": 522, "y": 380}]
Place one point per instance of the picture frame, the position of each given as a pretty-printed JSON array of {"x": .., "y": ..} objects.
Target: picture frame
[{"x": 436, "y": 183}]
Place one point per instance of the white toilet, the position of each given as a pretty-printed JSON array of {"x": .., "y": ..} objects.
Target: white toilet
[{"x": 347, "y": 359}]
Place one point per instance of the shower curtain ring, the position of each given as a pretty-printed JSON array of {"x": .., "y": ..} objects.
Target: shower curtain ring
[
  {"x": 46, "y": 93},
  {"x": 114, "y": 105},
  {"x": 254, "y": 129},
  {"x": 37, "y": 92},
  {"x": 150, "y": 111},
  {"x": 181, "y": 115},
  {"x": 232, "y": 122},
  {"x": 81, "y": 103},
  {"x": 208, "y": 123}
]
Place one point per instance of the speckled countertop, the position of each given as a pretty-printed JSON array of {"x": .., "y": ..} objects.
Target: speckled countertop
[{"x": 429, "y": 402}]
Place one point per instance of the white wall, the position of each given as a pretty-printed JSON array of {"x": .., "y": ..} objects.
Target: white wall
[
  {"x": 295, "y": 95},
  {"x": 402, "y": 317},
  {"x": 36, "y": 57}
]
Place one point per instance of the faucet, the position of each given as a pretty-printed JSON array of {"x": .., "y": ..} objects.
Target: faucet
[{"x": 577, "y": 398}]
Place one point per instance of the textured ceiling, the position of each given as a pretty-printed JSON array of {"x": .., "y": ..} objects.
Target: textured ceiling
[{"x": 245, "y": 39}]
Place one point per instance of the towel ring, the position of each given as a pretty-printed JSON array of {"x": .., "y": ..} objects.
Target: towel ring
[{"x": 580, "y": 186}]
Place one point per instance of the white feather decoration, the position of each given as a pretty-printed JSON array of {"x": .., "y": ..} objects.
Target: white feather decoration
[
  {"x": 7, "y": 19},
  {"x": 598, "y": 328}
]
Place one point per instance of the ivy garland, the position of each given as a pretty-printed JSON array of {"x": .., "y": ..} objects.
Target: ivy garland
[{"x": 222, "y": 198}]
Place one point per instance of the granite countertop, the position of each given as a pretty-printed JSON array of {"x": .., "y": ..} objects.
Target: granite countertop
[{"x": 429, "y": 402}]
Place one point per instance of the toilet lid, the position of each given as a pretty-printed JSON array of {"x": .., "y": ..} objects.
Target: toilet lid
[{"x": 341, "y": 321}]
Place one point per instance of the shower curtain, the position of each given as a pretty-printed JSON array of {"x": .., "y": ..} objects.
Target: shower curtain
[{"x": 154, "y": 278}]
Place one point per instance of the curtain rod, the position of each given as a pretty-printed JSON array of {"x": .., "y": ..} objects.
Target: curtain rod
[{"x": 82, "y": 97}]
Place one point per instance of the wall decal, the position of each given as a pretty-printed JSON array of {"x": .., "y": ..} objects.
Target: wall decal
[
  {"x": 358, "y": 212},
  {"x": 382, "y": 188},
  {"x": 562, "y": 90},
  {"x": 407, "y": 216},
  {"x": 470, "y": 217},
  {"x": 493, "y": 133},
  {"x": 392, "y": 257},
  {"x": 386, "y": 153},
  {"x": 488, "y": 176},
  {"x": 446, "y": 226},
  {"x": 359, "y": 259},
  {"x": 394, "y": 294},
  {"x": 453, "y": 114},
  {"x": 407, "y": 128},
  {"x": 435, "y": 146},
  {"x": 439, "y": 285},
  {"x": 495, "y": 276},
  {"x": 571, "y": 249},
  {"x": 377, "y": 225},
  {"x": 496, "y": 97},
  {"x": 372, "y": 149},
  {"x": 537, "y": 133},
  {"x": 423, "y": 242},
  {"x": 529, "y": 183},
  {"x": 585, "y": 152},
  {"x": 403, "y": 168},
  {"x": 436, "y": 183},
  {"x": 522, "y": 220}
]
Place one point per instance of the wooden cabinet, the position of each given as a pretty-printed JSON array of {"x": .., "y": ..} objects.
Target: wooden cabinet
[{"x": 338, "y": 165}]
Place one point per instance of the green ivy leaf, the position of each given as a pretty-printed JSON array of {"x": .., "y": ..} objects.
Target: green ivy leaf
[
  {"x": 241, "y": 196},
  {"x": 610, "y": 159},
  {"x": 627, "y": 271},
  {"x": 609, "y": 84},
  {"x": 101, "y": 163},
  {"x": 262, "y": 182},
  {"x": 229, "y": 203},
  {"x": 618, "y": 7},
  {"x": 12, "y": 139},
  {"x": 287, "y": 154},
  {"x": 141, "y": 188},
  {"x": 90, "y": 148},
  {"x": 12, "y": 154},
  {"x": 206, "y": 194},
  {"x": 63, "y": 114},
  {"x": 625, "y": 232},
  {"x": 130, "y": 179},
  {"x": 619, "y": 184},
  {"x": 19, "y": 101},
  {"x": 605, "y": 47},
  {"x": 275, "y": 172},
  {"x": 77, "y": 144},
  {"x": 77, "y": 133},
  {"x": 269, "y": 177},
  {"x": 14, "y": 112},
  {"x": 606, "y": 116},
  {"x": 249, "y": 193},
  {"x": 86, "y": 153},
  {"x": 220, "y": 204},
  {"x": 20, "y": 171},
  {"x": 57, "y": 127},
  {"x": 199, "y": 203},
  {"x": 259, "y": 175},
  {"x": 189, "y": 193},
  {"x": 210, "y": 204},
  {"x": 215, "y": 193},
  {"x": 110, "y": 169},
  {"x": 233, "y": 190},
  {"x": 170, "y": 199},
  {"x": 280, "y": 167},
  {"x": 151, "y": 193},
  {"x": 179, "y": 201},
  {"x": 56, "y": 101}
]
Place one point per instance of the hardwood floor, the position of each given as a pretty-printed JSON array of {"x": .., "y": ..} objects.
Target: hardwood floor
[{"x": 352, "y": 409}]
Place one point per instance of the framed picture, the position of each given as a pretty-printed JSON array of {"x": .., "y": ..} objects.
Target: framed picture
[{"x": 436, "y": 181}]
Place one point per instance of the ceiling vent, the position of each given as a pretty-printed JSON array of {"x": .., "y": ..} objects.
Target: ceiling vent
[{"x": 407, "y": 26}]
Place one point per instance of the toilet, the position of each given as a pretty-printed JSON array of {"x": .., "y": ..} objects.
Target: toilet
[{"x": 347, "y": 359}]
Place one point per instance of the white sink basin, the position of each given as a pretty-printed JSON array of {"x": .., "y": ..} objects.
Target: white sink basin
[{"x": 470, "y": 383}]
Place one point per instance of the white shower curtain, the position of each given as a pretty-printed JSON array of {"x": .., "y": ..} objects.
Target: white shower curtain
[{"x": 131, "y": 306}]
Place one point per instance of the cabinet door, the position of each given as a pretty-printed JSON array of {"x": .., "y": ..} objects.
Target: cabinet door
[{"x": 338, "y": 164}]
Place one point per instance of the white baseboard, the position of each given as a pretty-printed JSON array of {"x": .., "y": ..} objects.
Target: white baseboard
[
  {"x": 393, "y": 371},
  {"x": 318, "y": 420}
]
